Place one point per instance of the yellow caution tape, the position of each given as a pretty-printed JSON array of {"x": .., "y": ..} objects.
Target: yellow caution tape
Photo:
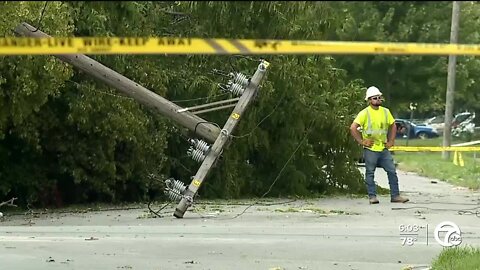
[
  {"x": 434, "y": 148},
  {"x": 170, "y": 45}
]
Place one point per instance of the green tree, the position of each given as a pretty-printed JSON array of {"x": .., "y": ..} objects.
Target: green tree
[
  {"x": 405, "y": 79},
  {"x": 26, "y": 85},
  {"x": 114, "y": 143},
  {"x": 77, "y": 140},
  {"x": 66, "y": 137}
]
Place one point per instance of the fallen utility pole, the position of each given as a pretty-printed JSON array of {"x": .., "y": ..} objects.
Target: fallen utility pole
[
  {"x": 130, "y": 88},
  {"x": 200, "y": 151}
]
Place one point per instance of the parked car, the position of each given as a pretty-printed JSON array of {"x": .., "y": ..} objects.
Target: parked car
[
  {"x": 438, "y": 122},
  {"x": 461, "y": 117},
  {"x": 465, "y": 128},
  {"x": 416, "y": 131}
]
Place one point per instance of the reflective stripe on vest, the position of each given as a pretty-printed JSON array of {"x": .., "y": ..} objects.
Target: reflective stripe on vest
[{"x": 370, "y": 131}]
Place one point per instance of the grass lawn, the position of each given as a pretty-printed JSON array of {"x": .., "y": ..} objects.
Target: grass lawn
[
  {"x": 431, "y": 164},
  {"x": 458, "y": 258}
]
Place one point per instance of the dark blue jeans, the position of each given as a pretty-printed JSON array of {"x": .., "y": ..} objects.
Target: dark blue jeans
[{"x": 383, "y": 159}]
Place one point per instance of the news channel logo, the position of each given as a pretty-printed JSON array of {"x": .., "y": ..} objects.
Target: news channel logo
[{"x": 448, "y": 234}]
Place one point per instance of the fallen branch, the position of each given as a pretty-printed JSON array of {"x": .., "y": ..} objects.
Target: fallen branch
[
  {"x": 175, "y": 13},
  {"x": 9, "y": 202}
]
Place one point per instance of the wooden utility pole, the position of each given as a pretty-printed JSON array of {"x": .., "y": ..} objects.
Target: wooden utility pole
[
  {"x": 130, "y": 88},
  {"x": 450, "y": 96}
]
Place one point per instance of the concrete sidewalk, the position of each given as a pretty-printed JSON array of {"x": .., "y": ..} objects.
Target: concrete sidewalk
[{"x": 333, "y": 233}]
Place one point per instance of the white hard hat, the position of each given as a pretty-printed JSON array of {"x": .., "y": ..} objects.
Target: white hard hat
[{"x": 372, "y": 91}]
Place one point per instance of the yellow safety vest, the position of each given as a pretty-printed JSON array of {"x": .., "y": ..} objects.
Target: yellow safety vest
[
  {"x": 378, "y": 130},
  {"x": 371, "y": 131}
]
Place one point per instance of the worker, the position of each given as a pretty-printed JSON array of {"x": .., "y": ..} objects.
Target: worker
[{"x": 376, "y": 123}]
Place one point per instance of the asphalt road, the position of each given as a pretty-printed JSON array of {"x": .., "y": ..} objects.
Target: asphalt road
[{"x": 326, "y": 233}]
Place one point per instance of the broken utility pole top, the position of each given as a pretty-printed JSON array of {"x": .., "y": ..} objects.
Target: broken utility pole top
[{"x": 130, "y": 88}]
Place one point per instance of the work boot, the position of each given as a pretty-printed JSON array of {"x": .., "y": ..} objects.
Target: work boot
[
  {"x": 373, "y": 200},
  {"x": 399, "y": 199}
]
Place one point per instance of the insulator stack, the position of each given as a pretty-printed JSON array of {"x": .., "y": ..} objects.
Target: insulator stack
[
  {"x": 196, "y": 154},
  {"x": 200, "y": 145},
  {"x": 235, "y": 88},
  {"x": 240, "y": 78},
  {"x": 174, "y": 189}
]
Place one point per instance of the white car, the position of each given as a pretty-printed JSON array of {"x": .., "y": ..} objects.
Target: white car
[{"x": 438, "y": 122}]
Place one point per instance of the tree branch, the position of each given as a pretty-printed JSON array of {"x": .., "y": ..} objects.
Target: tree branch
[
  {"x": 9, "y": 202},
  {"x": 179, "y": 20},
  {"x": 175, "y": 13}
]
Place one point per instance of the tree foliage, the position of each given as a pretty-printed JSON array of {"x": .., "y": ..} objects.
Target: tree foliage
[
  {"x": 66, "y": 138},
  {"x": 405, "y": 79}
]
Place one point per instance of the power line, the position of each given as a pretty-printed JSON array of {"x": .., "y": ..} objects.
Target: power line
[
  {"x": 261, "y": 121},
  {"x": 156, "y": 213},
  {"x": 284, "y": 166},
  {"x": 41, "y": 18},
  {"x": 193, "y": 99},
  {"x": 204, "y": 122}
]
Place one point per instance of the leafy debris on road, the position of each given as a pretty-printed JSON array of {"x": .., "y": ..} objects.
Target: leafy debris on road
[{"x": 314, "y": 210}]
